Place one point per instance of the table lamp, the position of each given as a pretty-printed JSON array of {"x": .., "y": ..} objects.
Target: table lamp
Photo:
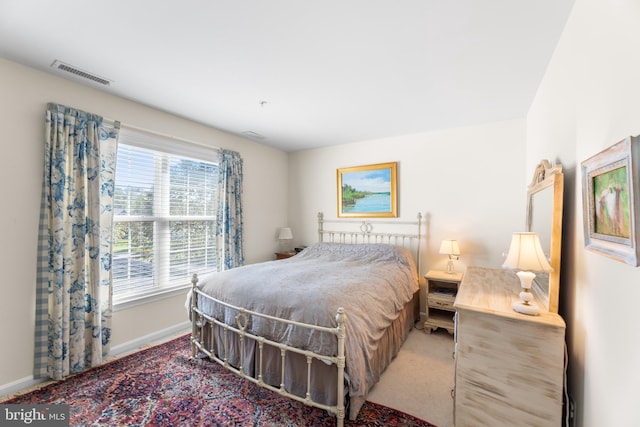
[
  {"x": 526, "y": 256},
  {"x": 450, "y": 247}
]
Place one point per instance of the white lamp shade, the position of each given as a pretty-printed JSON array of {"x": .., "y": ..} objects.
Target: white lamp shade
[
  {"x": 525, "y": 253},
  {"x": 285, "y": 234},
  {"x": 449, "y": 247}
]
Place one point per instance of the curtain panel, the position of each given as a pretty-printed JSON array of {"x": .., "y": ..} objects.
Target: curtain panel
[
  {"x": 229, "y": 216},
  {"x": 73, "y": 289}
]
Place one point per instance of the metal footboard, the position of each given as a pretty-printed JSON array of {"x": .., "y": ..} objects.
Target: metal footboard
[{"x": 200, "y": 321}]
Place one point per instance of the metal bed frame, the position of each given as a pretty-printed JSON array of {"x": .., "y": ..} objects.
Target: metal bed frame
[{"x": 203, "y": 323}]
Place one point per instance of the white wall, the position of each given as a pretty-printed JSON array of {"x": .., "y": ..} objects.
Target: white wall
[
  {"x": 470, "y": 183},
  {"x": 25, "y": 93},
  {"x": 588, "y": 101}
]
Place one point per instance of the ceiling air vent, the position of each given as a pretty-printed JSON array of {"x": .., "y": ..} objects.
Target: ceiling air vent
[
  {"x": 58, "y": 65},
  {"x": 253, "y": 135}
]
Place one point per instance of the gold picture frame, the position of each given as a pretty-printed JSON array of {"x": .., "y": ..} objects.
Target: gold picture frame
[
  {"x": 368, "y": 191},
  {"x": 610, "y": 201}
]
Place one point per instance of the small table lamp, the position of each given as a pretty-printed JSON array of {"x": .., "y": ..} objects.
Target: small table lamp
[
  {"x": 450, "y": 247},
  {"x": 284, "y": 235},
  {"x": 527, "y": 256}
]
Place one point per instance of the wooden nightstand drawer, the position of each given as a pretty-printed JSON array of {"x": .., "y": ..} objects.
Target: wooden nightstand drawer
[{"x": 442, "y": 301}]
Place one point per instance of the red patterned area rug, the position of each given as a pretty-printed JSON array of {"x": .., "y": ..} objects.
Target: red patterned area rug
[{"x": 163, "y": 386}]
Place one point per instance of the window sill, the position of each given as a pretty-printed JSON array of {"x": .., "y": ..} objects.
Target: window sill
[{"x": 131, "y": 301}]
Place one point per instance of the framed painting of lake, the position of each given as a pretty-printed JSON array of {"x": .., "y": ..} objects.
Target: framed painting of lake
[{"x": 368, "y": 191}]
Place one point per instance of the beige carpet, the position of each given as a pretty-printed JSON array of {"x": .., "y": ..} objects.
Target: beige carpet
[{"x": 420, "y": 379}]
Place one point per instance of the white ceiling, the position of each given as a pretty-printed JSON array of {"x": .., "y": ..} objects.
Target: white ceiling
[{"x": 302, "y": 73}]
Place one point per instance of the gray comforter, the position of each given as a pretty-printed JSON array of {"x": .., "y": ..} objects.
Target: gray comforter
[{"x": 373, "y": 282}]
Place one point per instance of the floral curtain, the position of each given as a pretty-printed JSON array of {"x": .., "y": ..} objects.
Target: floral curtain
[
  {"x": 229, "y": 217},
  {"x": 73, "y": 307}
]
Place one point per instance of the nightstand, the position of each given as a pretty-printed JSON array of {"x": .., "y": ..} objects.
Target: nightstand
[
  {"x": 442, "y": 288},
  {"x": 284, "y": 255}
]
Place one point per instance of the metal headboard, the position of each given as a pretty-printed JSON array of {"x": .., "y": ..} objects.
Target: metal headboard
[{"x": 365, "y": 232}]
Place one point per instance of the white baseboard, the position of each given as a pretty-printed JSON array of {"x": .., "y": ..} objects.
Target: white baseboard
[
  {"x": 27, "y": 382},
  {"x": 18, "y": 385},
  {"x": 146, "y": 339}
]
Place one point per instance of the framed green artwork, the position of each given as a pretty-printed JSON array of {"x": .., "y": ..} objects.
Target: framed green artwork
[{"x": 610, "y": 201}]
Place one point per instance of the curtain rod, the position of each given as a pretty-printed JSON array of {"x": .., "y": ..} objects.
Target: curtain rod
[{"x": 164, "y": 135}]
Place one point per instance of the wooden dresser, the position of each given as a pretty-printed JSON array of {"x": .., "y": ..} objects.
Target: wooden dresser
[{"x": 509, "y": 366}]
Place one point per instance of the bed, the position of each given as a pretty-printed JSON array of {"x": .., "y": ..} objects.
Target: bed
[{"x": 319, "y": 327}]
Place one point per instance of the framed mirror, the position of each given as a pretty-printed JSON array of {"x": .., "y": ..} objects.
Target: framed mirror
[{"x": 544, "y": 216}]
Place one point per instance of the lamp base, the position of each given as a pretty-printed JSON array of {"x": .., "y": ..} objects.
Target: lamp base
[
  {"x": 450, "y": 268},
  {"x": 530, "y": 309}
]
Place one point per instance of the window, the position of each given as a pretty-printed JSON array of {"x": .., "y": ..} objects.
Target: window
[{"x": 164, "y": 214}]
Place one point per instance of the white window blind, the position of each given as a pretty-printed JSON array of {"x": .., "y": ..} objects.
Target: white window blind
[{"x": 165, "y": 202}]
